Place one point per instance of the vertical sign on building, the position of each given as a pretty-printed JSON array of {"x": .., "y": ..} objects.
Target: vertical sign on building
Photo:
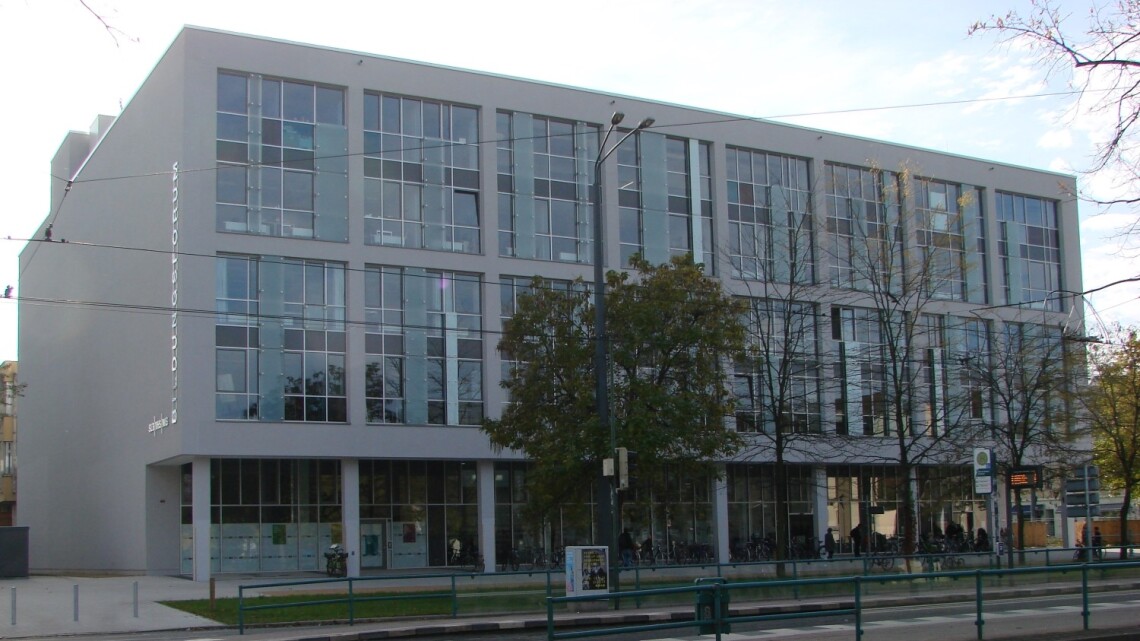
[
  {"x": 983, "y": 471},
  {"x": 157, "y": 423},
  {"x": 174, "y": 294}
]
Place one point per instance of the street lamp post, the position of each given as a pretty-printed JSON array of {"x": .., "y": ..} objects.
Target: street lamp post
[{"x": 608, "y": 510}]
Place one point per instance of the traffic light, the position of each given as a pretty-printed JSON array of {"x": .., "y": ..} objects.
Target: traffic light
[{"x": 627, "y": 468}]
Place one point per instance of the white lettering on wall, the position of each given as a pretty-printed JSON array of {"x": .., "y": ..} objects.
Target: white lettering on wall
[{"x": 174, "y": 294}]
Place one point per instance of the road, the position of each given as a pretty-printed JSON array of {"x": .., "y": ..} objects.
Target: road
[{"x": 1039, "y": 618}]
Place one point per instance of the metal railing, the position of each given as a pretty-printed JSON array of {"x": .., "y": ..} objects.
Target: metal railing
[
  {"x": 457, "y": 587},
  {"x": 718, "y": 618},
  {"x": 356, "y": 591}
]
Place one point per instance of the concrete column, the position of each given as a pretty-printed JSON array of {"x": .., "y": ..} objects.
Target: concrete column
[
  {"x": 720, "y": 511},
  {"x": 200, "y": 513},
  {"x": 485, "y": 477},
  {"x": 350, "y": 510},
  {"x": 819, "y": 502}
]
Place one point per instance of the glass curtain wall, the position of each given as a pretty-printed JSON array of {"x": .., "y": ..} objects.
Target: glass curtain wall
[
  {"x": 266, "y": 514},
  {"x": 752, "y": 504},
  {"x": 412, "y": 510}
]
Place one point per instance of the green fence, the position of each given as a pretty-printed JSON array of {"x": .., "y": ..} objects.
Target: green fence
[
  {"x": 470, "y": 593},
  {"x": 718, "y": 618}
]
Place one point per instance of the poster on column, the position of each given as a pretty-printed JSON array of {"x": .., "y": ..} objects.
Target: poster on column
[{"x": 587, "y": 570}]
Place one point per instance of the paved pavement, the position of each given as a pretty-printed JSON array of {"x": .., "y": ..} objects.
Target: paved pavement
[{"x": 47, "y": 606}]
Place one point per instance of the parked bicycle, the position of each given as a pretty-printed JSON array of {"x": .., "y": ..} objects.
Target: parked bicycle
[
  {"x": 336, "y": 561},
  {"x": 464, "y": 556}
]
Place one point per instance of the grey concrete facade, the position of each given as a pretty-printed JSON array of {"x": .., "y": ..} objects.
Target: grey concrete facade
[{"x": 117, "y": 312}]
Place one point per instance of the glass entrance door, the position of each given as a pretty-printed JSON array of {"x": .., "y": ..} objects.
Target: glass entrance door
[{"x": 374, "y": 544}]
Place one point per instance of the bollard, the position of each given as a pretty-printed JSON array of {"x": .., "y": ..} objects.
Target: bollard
[
  {"x": 136, "y": 599},
  {"x": 213, "y": 594},
  {"x": 13, "y": 606},
  {"x": 75, "y": 602}
]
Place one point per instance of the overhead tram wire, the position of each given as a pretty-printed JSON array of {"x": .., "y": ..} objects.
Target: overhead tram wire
[
  {"x": 166, "y": 252},
  {"x": 483, "y": 281}
]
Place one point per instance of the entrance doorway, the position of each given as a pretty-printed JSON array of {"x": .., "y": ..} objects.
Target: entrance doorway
[{"x": 374, "y": 544}]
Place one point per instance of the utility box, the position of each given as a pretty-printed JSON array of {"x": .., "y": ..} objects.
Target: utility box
[
  {"x": 707, "y": 612},
  {"x": 13, "y": 552}
]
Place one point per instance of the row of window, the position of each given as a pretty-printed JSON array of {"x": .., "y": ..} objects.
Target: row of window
[
  {"x": 282, "y": 171},
  {"x": 282, "y": 342}
]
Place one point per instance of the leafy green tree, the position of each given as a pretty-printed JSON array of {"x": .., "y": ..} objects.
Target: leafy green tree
[
  {"x": 1113, "y": 405},
  {"x": 671, "y": 329}
]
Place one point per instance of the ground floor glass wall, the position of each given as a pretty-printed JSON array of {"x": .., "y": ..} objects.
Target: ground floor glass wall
[
  {"x": 873, "y": 495},
  {"x": 266, "y": 514},
  {"x": 752, "y": 503},
  {"x": 281, "y": 515},
  {"x": 519, "y": 526},
  {"x": 412, "y": 511}
]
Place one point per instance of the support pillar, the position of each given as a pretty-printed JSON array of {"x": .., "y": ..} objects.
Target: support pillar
[
  {"x": 485, "y": 477},
  {"x": 720, "y": 515},
  {"x": 200, "y": 516},
  {"x": 350, "y": 491}
]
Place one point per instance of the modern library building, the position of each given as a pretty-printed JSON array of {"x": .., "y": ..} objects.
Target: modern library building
[{"x": 262, "y": 314}]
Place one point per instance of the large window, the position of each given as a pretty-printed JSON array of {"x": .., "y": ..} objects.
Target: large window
[
  {"x": 940, "y": 230},
  {"x": 545, "y": 169},
  {"x": 862, "y": 209},
  {"x": 780, "y": 369},
  {"x": 860, "y": 372},
  {"x": 266, "y": 514},
  {"x": 934, "y": 410},
  {"x": 769, "y": 214},
  {"x": 384, "y": 344},
  {"x": 421, "y": 174},
  {"x": 1030, "y": 248},
  {"x": 752, "y": 502},
  {"x": 665, "y": 198},
  {"x": 236, "y": 338},
  {"x": 454, "y": 349},
  {"x": 428, "y": 504},
  {"x": 268, "y": 133},
  {"x": 423, "y": 346},
  {"x": 971, "y": 349},
  {"x": 315, "y": 342},
  {"x": 280, "y": 340},
  {"x": 510, "y": 289}
]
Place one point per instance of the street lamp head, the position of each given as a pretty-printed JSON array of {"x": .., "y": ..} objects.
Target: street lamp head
[
  {"x": 617, "y": 118},
  {"x": 648, "y": 122}
]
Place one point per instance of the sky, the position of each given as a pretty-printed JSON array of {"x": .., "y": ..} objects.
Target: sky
[{"x": 870, "y": 68}]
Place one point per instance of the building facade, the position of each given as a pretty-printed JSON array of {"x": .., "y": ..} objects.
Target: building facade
[
  {"x": 260, "y": 317},
  {"x": 9, "y": 387}
]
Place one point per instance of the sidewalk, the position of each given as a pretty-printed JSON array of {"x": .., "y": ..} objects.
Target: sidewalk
[{"x": 46, "y": 607}]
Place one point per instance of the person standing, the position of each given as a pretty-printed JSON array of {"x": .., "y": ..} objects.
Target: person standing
[
  {"x": 829, "y": 543},
  {"x": 625, "y": 548},
  {"x": 857, "y": 539}
]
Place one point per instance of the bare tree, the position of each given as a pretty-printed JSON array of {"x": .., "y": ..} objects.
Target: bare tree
[
  {"x": 897, "y": 245},
  {"x": 112, "y": 30},
  {"x": 777, "y": 379},
  {"x": 1101, "y": 59},
  {"x": 1029, "y": 372}
]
